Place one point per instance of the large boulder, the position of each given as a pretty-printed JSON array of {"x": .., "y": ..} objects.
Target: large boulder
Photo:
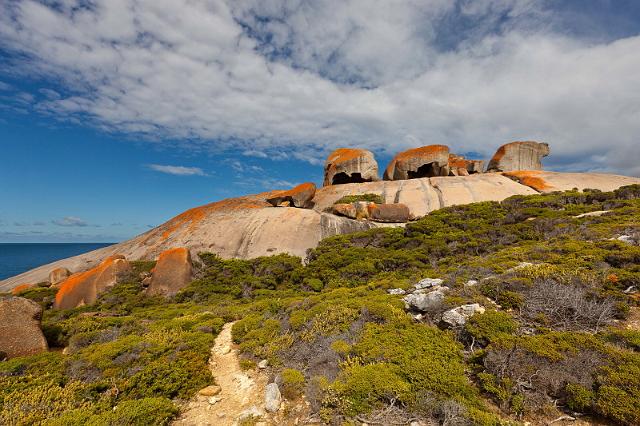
[
  {"x": 172, "y": 273},
  {"x": 426, "y": 161},
  {"x": 347, "y": 165},
  {"x": 423, "y": 301},
  {"x": 58, "y": 275},
  {"x": 300, "y": 196},
  {"x": 20, "y": 332},
  {"x": 393, "y": 213},
  {"x": 83, "y": 288},
  {"x": 460, "y": 166},
  {"x": 518, "y": 156}
]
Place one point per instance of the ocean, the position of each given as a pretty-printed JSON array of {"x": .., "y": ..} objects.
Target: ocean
[{"x": 16, "y": 258}]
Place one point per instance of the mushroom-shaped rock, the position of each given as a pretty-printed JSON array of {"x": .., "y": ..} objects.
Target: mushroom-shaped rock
[
  {"x": 58, "y": 275},
  {"x": 300, "y": 196},
  {"x": 20, "y": 288},
  {"x": 518, "y": 156},
  {"x": 83, "y": 288},
  {"x": 460, "y": 166},
  {"x": 20, "y": 332},
  {"x": 426, "y": 161},
  {"x": 172, "y": 272},
  {"x": 347, "y": 165},
  {"x": 395, "y": 213}
]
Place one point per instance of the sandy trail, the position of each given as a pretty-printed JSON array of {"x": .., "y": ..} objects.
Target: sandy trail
[{"x": 240, "y": 390}]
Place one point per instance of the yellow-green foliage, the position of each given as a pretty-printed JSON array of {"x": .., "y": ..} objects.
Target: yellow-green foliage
[
  {"x": 372, "y": 198},
  {"x": 292, "y": 383}
]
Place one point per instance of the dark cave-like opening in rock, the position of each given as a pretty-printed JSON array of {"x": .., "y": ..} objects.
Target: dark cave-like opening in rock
[
  {"x": 341, "y": 178},
  {"x": 426, "y": 170}
]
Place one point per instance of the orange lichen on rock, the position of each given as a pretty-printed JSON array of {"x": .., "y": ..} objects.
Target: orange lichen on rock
[
  {"x": 349, "y": 165},
  {"x": 426, "y": 161},
  {"x": 20, "y": 288},
  {"x": 172, "y": 272},
  {"x": 300, "y": 196},
  {"x": 529, "y": 178},
  {"x": 460, "y": 166},
  {"x": 83, "y": 288}
]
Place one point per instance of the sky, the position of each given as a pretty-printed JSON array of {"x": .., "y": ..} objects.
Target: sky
[{"x": 116, "y": 115}]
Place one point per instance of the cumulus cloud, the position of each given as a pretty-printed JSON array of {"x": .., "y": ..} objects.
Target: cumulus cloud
[
  {"x": 70, "y": 221},
  {"x": 296, "y": 78},
  {"x": 177, "y": 170}
]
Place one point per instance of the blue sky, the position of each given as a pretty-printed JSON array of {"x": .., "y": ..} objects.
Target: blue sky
[{"x": 117, "y": 115}]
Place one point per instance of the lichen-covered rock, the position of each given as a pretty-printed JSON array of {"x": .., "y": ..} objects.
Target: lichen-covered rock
[
  {"x": 58, "y": 275},
  {"x": 348, "y": 165},
  {"x": 391, "y": 213},
  {"x": 172, "y": 272},
  {"x": 460, "y": 166},
  {"x": 272, "y": 398},
  {"x": 83, "y": 288},
  {"x": 426, "y": 161},
  {"x": 20, "y": 332},
  {"x": 458, "y": 317},
  {"x": 20, "y": 288},
  {"x": 300, "y": 196},
  {"x": 518, "y": 156},
  {"x": 346, "y": 210}
]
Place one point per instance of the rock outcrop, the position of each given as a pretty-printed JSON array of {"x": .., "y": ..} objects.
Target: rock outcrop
[
  {"x": 58, "y": 275},
  {"x": 349, "y": 165},
  {"x": 172, "y": 273},
  {"x": 247, "y": 227},
  {"x": 84, "y": 288},
  {"x": 392, "y": 213},
  {"x": 518, "y": 156},
  {"x": 20, "y": 332},
  {"x": 460, "y": 166},
  {"x": 20, "y": 288},
  {"x": 426, "y": 161},
  {"x": 457, "y": 317},
  {"x": 300, "y": 196}
]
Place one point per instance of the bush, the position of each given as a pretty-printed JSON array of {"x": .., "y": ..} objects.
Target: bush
[
  {"x": 371, "y": 198},
  {"x": 292, "y": 383}
]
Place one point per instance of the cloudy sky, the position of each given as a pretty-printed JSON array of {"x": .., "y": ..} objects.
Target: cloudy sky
[{"x": 117, "y": 114}]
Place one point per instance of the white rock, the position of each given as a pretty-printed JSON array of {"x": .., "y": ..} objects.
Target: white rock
[
  {"x": 214, "y": 399},
  {"x": 471, "y": 283},
  {"x": 589, "y": 214},
  {"x": 425, "y": 301},
  {"x": 272, "y": 398},
  {"x": 457, "y": 317},
  {"x": 626, "y": 239},
  {"x": 428, "y": 283},
  {"x": 263, "y": 364},
  {"x": 396, "y": 291}
]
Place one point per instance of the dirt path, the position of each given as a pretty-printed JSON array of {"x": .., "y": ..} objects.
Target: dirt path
[{"x": 240, "y": 391}]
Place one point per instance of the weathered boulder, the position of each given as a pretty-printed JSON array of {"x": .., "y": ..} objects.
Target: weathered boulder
[
  {"x": 518, "y": 156},
  {"x": 58, "y": 275},
  {"x": 172, "y": 272},
  {"x": 348, "y": 165},
  {"x": 426, "y": 161},
  {"x": 392, "y": 213},
  {"x": 20, "y": 332},
  {"x": 460, "y": 166},
  {"x": 272, "y": 398},
  {"x": 422, "y": 301},
  {"x": 458, "y": 317},
  {"x": 346, "y": 210},
  {"x": 300, "y": 196},
  {"x": 428, "y": 283},
  {"x": 20, "y": 288},
  {"x": 83, "y": 288}
]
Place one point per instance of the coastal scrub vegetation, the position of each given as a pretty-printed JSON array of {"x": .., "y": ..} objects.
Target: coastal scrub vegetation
[{"x": 558, "y": 292}]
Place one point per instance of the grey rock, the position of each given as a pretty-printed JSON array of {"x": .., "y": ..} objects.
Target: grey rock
[
  {"x": 626, "y": 239},
  {"x": 425, "y": 301},
  {"x": 263, "y": 364},
  {"x": 428, "y": 283},
  {"x": 471, "y": 283},
  {"x": 396, "y": 291},
  {"x": 458, "y": 317},
  {"x": 272, "y": 398}
]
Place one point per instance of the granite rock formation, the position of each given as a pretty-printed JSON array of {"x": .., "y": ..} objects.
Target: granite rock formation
[
  {"x": 426, "y": 161},
  {"x": 83, "y": 288},
  {"x": 300, "y": 196},
  {"x": 172, "y": 272},
  {"x": 20, "y": 332},
  {"x": 20, "y": 288},
  {"x": 348, "y": 165},
  {"x": 58, "y": 275},
  {"x": 460, "y": 166},
  {"x": 518, "y": 156}
]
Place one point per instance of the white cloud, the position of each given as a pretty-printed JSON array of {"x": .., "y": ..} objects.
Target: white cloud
[
  {"x": 294, "y": 78},
  {"x": 70, "y": 221},
  {"x": 177, "y": 170}
]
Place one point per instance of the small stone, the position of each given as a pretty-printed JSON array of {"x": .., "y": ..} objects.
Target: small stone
[
  {"x": 214, "y": 399},
  {"x": 210, "y": 390},
  {"x": 263, "y": 364},
  {"x": 626, "y": 239},
  {"x": 471, "y": 283},
  {"x": 457, "y": 317},
  {"x": 396, "y": 291}
]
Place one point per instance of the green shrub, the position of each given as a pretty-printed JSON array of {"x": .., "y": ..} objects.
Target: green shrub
[
  {"x": 292, "y": 383},
  {"x": 372, "y": 198}
]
